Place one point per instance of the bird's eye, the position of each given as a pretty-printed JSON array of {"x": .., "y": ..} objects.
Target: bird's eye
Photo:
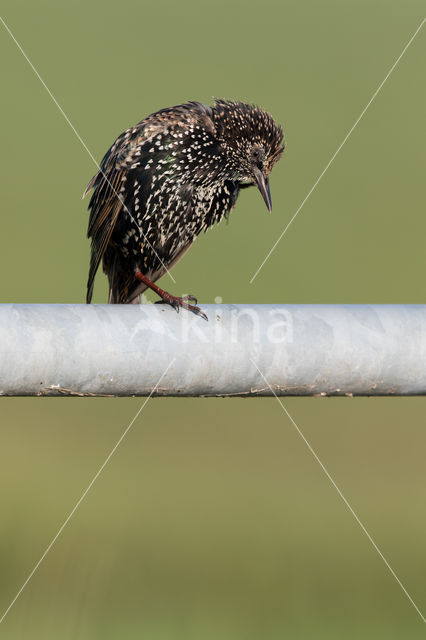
[
  {"x": 257, "y": 157},
  {"x": 257, "y": 154}
]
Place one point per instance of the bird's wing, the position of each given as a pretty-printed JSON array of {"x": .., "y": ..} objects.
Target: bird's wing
[
  {"x": 109, "y": 183},
  {"x": 109, "y": 194}
]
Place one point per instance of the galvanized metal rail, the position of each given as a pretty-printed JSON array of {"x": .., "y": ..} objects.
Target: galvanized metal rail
[{"x": 301, "y": 350}]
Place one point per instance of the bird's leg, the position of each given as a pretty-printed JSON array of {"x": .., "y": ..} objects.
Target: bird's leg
[{"x": 174, "y": 301}]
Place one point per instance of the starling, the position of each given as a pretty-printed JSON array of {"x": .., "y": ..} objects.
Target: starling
[{"x": 167, "y": 179}]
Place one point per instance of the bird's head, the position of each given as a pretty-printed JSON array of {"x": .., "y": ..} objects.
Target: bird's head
[{"x": 253, "y": 142}]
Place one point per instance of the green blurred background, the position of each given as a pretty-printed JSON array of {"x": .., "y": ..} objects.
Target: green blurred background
[{"x": 213, "y": 520}]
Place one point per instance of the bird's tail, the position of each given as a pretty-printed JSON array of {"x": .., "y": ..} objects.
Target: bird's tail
[{"x": 123, "y": 288}]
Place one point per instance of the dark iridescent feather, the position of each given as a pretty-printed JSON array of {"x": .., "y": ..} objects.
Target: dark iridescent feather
[{"x": 172, "y": 176}]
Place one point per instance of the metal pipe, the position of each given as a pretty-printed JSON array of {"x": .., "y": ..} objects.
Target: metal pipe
[{"x": 123, "y": 350}]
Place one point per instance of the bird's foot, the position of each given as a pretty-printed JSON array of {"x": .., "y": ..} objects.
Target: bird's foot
[
  {"x": 173, "y": 301},
  {"x": 183, "y": 302}
]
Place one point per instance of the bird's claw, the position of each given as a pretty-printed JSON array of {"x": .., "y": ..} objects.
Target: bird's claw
[
  {"x": 183, "y": 302},
  {"x": 197, "y": 311}
]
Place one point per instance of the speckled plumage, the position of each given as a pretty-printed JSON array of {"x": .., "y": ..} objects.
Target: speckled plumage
[{"x": 167, "y": 179}]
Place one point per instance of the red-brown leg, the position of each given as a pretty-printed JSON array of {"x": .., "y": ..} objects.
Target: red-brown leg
[{"x": 174, "y": 301}]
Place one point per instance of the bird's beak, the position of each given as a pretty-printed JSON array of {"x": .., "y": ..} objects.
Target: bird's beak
[{"x": 263, "y": 186}]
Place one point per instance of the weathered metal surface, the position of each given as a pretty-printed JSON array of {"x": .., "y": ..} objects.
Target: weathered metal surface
[{"x": 302, "y": 350}]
